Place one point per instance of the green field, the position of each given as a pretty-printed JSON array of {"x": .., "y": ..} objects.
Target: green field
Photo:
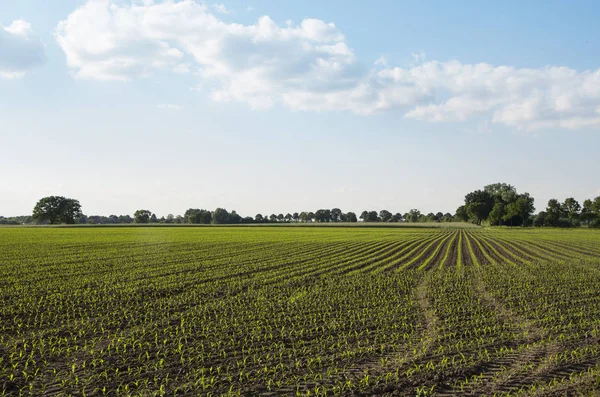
[{"x": 298, "y": 311}]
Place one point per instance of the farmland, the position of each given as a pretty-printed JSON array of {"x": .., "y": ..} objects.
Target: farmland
[{"x": 298, "y": 311}]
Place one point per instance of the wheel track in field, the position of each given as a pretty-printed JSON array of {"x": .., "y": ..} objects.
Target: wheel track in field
[
  {"x": 498, "y": 371},
  {"x": 411, "y": 353}
]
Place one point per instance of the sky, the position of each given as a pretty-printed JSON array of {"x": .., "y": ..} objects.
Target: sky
[{"x": 278, "y": 106}]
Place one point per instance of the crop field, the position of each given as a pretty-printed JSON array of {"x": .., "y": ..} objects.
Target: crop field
[{"x": 305, "y": 311}]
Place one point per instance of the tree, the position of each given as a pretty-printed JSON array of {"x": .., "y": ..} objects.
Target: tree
[
  {"x": 501, "y": 192},
  {"x": 373, "y": 216},
  {"x": 142, "y": 216},
  {"x": 194, "y": 215},
  {"x": 461, "y": 214},
  {"x": 497, "y": 214},
  {"x": 273, "y": 218},
  {"x": 296, "y": 216},
  {"x": 439, "y": 217},
  {"x": 385, "y": 215},
  {"x": 519, "y": 211},
  {"x": 258, "y": 218},
  {"x": 57, "y": 209},
  {"x": 479, "y": 204},
  {"x": 220, "y": 216},
  {"x": 336, "y": 215},
  {"x": 288, "y": 217},
  {"x": 413, "y": 215},
  {"x": 540, "y": 219},
  {"x": 554, "y": 212},
  {"x": 304, "y": 217},
  {"x": 364, "y": 216},
  {"x": 572, "y": 209},
  {"x": 351, "y": 217}
]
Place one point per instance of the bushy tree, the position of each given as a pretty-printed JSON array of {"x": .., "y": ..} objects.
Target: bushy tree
[
  {"x": 142, "y": 216},
  {"x": 57, "y": 209},
  {"x": 385, "y": 215}
]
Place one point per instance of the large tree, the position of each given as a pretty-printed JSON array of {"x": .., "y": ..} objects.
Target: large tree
[
  {"x": 142, "y": 216},
  {"x": 554, "y": 212},
  {"x": 57, "y": 209},
  {"x": 479, "y": 204},
  {"x": 385, "y": 215},
  {"x": 572, "y": 209}
]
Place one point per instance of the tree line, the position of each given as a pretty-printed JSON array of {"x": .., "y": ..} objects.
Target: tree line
[{"x": 498, "y": 204}]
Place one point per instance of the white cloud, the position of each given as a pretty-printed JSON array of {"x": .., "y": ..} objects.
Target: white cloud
[
  {"x": 20, "y": 50},
  {"x": 311, "y": 67},
  {"x": 220, "y": 8},
  {"x": 169, "y": 106}
]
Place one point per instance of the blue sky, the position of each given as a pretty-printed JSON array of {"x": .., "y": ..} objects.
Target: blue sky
[{"x": 272, "y": 106}]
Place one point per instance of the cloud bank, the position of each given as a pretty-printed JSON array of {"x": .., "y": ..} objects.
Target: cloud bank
[
  {"x": 310, "y": 67},
  {"x": 20, "y": 50}
]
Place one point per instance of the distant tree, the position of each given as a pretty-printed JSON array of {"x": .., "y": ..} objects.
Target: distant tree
[
  {"x": 439, "y": 217},
  {"x": 311, "y": 216},
  {"x": 395, "y": 218},
  {"x": 273, "y": 218},
  {"x": 461, "y": 214},
  {"x": 234, "y": 218},
  {"x": 336, "y": 215},
  {"x": 350, "y": 217},
  {"x": 554, "y": 212},
  {"x": 57, "y": 209},
  {"x": 540, "y": 219},
  {"x": 296, "y": 217},
  {"x": 385, "y": 215},
  {"x": 304, "y": 217},
  {"x": 364, "y": 216},
  {"x": 259, "y": 218},
  {"x": 572, "y": 209},
  {"x": 288, "y": 217},
  {"x": 125, "y": 219},
  {"x": 479, "y": 204},
  {"x": 220, "y": 216},
  {"x": 373, "y": 216},
  {"x": 519, "y": 211},
  {"x": 431, "y": 217},
  {"x": 170, "y": 218},
  {"x": 323, "y": 215},
  {"x": 142, "y": 216},
  {"x": 497, "y": 214},
  {"x": 153, "y": 219},
  {"x": 280, "y": 218},
  {"x": 501, "y": 192},
  {"x": 448, "y": 217},
  {"x": 413, "y": 215},
  {"x": 195, "y": 215}
]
